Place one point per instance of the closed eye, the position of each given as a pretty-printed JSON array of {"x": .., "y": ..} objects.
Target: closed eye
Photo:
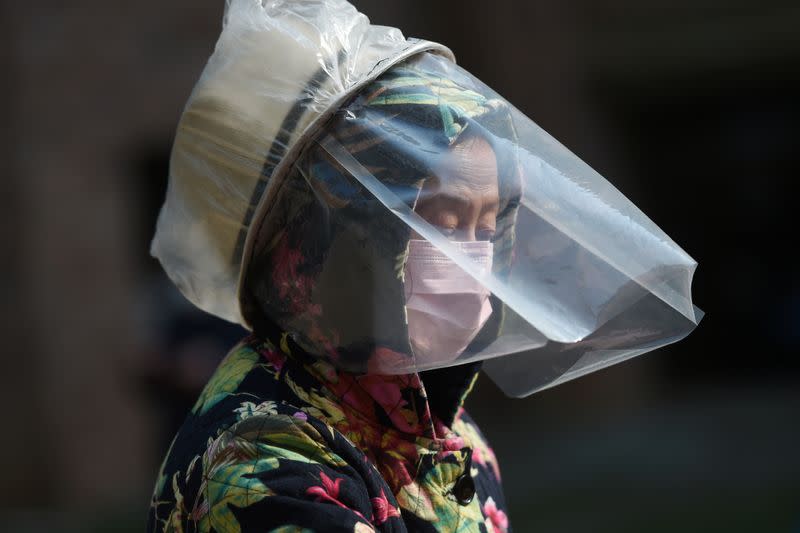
[{"x": 485, "y": 235}]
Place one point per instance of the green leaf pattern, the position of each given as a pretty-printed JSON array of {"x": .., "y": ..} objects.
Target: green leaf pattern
[{"x": 227, "y": 378}]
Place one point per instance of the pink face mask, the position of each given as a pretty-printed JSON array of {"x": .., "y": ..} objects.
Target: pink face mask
[{"x": 446, "y": 306}]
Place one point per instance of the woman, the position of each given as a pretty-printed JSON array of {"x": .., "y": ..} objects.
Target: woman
[
  {"x": 364, "y": 206},
  {"x": 344, "y": 450}
]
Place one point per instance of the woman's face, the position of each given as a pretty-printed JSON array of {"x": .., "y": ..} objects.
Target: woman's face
[{"x": 462, "y": 198}]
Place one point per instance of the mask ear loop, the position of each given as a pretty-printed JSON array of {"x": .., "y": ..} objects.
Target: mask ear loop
[
  {"x": 407, "y": 277},
  {"x": 408, "y": 242}
]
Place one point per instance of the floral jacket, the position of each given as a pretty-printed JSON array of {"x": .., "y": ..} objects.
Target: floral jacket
[{"x": 278, "y": 443}]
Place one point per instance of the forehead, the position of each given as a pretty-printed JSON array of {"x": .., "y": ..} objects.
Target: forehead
[{"x": 470, "y": 165}]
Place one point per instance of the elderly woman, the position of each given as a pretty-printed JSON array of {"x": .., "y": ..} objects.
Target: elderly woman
[{"x": 363, "y": 206}]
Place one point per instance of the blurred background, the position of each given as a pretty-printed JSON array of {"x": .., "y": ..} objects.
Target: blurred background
[{"x": 689, "y": 107}]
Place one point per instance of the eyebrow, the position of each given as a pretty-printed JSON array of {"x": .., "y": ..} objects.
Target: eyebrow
[{"x": 465, "y": 202}]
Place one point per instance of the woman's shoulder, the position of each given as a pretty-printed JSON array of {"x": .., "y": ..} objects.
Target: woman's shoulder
[
  {"x": 266, "y": 467},
  {"x": 244, "y": 446}
]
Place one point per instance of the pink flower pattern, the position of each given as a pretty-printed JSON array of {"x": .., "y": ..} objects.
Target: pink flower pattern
[
  {"x": 498, "y": 518},
  {"x": 382, "y": 509},
  {"x": 329, "y": 491}
]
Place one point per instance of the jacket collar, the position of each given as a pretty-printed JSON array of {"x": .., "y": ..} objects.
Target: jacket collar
[{"x": 421, "y": 404}]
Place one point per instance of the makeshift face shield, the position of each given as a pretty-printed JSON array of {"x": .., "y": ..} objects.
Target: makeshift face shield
[{"x": 580, "y": 279}]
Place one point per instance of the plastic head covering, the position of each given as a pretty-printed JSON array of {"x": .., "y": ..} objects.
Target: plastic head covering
[
  {"x": 277, "y": 69},
  {"x": 300, "y": 162}
]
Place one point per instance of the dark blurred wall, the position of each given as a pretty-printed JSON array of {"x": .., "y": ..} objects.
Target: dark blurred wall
[
  {"x": 86, "y": 82},
  {"x": 689, "y": 108}
]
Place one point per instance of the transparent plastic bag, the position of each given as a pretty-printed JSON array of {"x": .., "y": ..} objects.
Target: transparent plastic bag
[
  {"x": 580, "y": 279},
  {"x": 316, "y": 229},
  {"x": 278, "y": 69}
]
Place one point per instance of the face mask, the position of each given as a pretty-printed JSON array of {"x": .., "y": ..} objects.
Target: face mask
[{"x": 446, "y": 306}]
